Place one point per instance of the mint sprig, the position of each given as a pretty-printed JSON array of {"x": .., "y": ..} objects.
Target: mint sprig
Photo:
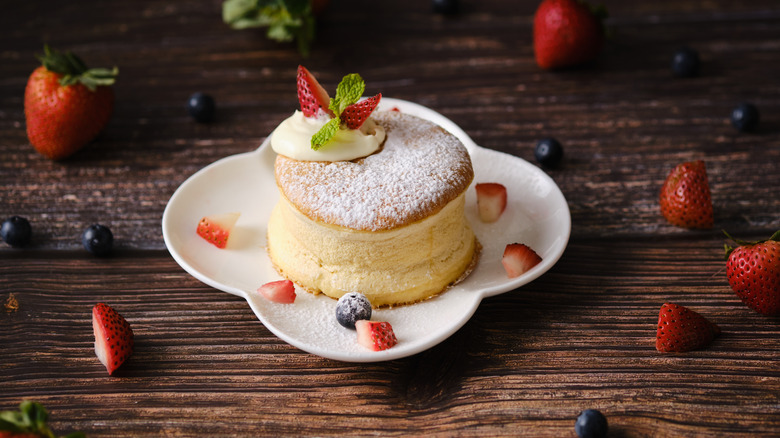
[
  {"x": 286, "y": 20},
  {"x": 325, "y": 134},
  {"x": 349, "y": 91}
]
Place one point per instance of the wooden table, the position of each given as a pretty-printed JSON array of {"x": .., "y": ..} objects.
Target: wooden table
[{"x": 581, "y": 336}]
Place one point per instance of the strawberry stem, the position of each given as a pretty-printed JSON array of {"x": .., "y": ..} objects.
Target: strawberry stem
[
  {"x": 775, "y": 237},
  {"x": 74, "y": 70}
]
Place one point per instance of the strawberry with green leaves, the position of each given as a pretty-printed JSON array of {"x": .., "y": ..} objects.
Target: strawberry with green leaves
[
  {"x": 685, "y": 196},
  {"x": 66, "y": 104},
  {"x": 681, "y": 329},
  {"x": 346, "y": 109},
  {"x": 753, "y": 271}
]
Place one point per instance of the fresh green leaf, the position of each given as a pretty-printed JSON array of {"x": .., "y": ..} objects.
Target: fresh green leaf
[
  {"x": 326, "y": 133},
  {"x": 234, "y": 10},
  {"x": 348, "y": 92},
  {"x": 286, "y": 20},
  {"x": 30, "y": 418}
]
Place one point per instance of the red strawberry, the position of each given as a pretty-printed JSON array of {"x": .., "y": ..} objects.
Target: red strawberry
[
  {"x": 375, "y": 335},
  {"x": 753, "y": 271},
  {"x": 66, "y": 105},
  {"x": 356, "y": 114},
  {"x": 518, "y": 259},
  {"x": 282, "y": 291},
  {"x": 311, "y": 95},
  {"x": 217, "y": 227},
  {"x": 685, "y": 196},
  {"x": 113, "y": 337},
  {"x": 567, "y": 33},
  {"x": 681, "y": 329},
  {"x": 491, "y": 201}
]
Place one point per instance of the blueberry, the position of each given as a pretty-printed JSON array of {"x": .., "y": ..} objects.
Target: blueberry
[
  {"x": 201, "y": 107},
  {"x": 548, "y": 152},
  {"x": 16, "y": 231},
  {"x": 745, "y": 117},
  {"x": 591, "y": 424},
  {"x": 446, "y": 7},
  {"x": 97, "y": 239},
  {"x": 352, "y": 307},
  {"x": 685, "y": 63}
]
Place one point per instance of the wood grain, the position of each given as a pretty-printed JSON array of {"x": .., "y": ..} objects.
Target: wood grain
[{"x": 581, "y": 336}]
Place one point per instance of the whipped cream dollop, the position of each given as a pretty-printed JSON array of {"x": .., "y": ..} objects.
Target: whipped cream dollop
[{"x": 292, "y": 138}]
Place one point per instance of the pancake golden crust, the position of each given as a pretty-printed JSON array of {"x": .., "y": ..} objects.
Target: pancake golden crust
[{"x": 418, "y": 171}]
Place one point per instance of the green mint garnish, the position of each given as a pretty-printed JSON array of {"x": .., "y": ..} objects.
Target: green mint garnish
[
  {"x": 326, "y": 133},
  {"x": 348, "y": 92},
  {"x": 286, "y": 20}
]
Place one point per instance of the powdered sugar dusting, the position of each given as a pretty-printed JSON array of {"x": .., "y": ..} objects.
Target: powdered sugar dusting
[{"x": 420, "y": 168}]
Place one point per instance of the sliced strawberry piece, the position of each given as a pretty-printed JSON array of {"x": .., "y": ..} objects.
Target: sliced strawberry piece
[
  {"x": 375, "y": 335},
  {"x": 491, "y": 201},
  {"x": 311, "y": 95},
  {"x": 282, "y": 291},
  {"x": 113, "y": 337},
  {"x": 518, "y": 259},
  {"x": 681, "y": 329},
  {"x": 356, "y": 114},
  {"x": 216, "y": 228}
]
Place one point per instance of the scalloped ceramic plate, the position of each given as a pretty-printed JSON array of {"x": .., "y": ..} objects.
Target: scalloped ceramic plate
[{"x": 536, "y": 214}]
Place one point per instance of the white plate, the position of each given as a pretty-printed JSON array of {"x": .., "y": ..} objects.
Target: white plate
[{"x": 536, "y": 214}]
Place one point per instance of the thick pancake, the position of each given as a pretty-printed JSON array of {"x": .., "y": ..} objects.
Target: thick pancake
[{"x": 419, "y": 170}]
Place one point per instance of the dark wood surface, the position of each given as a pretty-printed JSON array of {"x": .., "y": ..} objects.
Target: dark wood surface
[{"x": 581, "y": 336}]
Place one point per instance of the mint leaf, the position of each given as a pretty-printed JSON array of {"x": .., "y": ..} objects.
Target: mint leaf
[
  {"x": 286, "y": 20},
  {"x": 326, "y": 133},
  {"x": 348, "y": 92}
]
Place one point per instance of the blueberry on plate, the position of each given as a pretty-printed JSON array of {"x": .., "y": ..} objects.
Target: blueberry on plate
[
  {"x": 201, "y": 107},
  {"x": 352, "y": 307},
  {"x": 446, "y": 7},
  {"x": 591, "y": 423},
  {"x": 16, "y": 231},
  {"x": 686, "y": 63},
  {"x": 745, "y": 117},
  {"x": 548, "y": 152},
  {"x": 98, "y": 239}
]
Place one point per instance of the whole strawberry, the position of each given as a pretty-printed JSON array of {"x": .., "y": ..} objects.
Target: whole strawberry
[
  {"x": 685, "y": 196},
  {"x": 66, "y": 105},
  {"x": 567, "y": 33},
  {"x": 753, "y": 271}
]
